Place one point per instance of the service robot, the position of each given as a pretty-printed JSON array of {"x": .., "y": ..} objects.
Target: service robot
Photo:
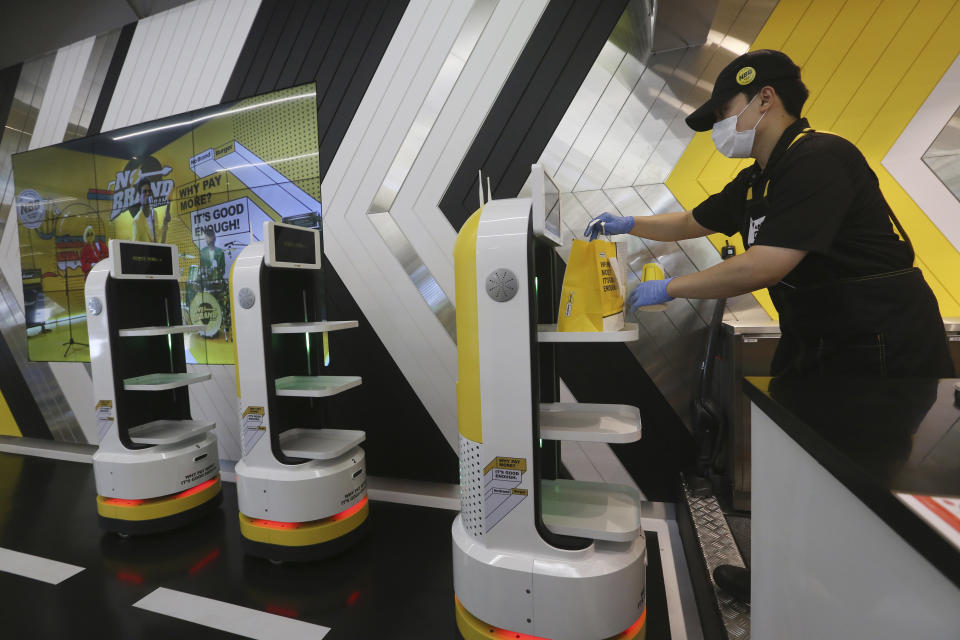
[
  {"x": 156, "y": 468},
  {"x": 301, "y": 487},
  {"x": 534, "y": 555}
]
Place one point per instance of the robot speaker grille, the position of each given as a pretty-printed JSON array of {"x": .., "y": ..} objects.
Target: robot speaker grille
[{"x": 502, "y": 285}]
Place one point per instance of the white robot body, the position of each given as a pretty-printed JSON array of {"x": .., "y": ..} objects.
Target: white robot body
[
  {"x": 509, "y": 576},
  {"x": 293, "y": 472},
  {"x": 133, "y": 469},
  {"x": 158, "y": 471},
  {"x": 299, "y": 493},
  {"x": 593, "y": 593}
]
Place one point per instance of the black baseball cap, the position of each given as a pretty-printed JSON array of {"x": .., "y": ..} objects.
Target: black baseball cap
[{"x": 762, "y": 66}]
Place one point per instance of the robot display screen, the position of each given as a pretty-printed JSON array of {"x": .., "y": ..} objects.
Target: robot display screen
[
  {"x": 294, "y": 245},
  {"x": 146, "y": 259},
  {"x": 545, "y": 210}
]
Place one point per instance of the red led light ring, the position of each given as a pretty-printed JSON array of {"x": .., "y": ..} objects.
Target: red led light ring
[{"x": 343, "y": 515}]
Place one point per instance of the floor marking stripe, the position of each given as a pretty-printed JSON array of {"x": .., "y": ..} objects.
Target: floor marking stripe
[
  {"x": 232, "y": 618},
  {"x": 35, "y": 567}
]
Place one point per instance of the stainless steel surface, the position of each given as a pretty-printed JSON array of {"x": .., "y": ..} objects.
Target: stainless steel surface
[
  {"x": 379, "y": 211},
  {"x": 39, "y": 378},
  {"x": 682, "y": 23},
  {"x": 744, "y": 353},
  {"x": 91, "y": 84},
  {"x": 771, "y": 327},
  {"x": 718, "y": 547},
  {"x": 20, "y": 123},
  {"x": 614, "y": 148},
  {"x": 739, "y": 327},
  {"x": 943, "y": 155},
  {"x": 953, "y": 345},
  {"x": 422, "y": 279},
  {"x": 47, "y": 449}
]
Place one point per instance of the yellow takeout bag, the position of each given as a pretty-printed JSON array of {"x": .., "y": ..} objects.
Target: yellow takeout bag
[{"x": 593, "y": 288}]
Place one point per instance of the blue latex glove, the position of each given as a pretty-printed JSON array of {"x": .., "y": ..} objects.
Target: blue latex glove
[
  {"x": 609, "y": 224},
  {"x": 649, "y": 293}
]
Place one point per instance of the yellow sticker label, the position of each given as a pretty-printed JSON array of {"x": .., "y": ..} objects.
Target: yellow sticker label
[
  {"x": 251, "y": 427},
  {"x": 746, "y": 75},
  {"x": 502, "y": 462},
  {"x": 255, "y": 411}
]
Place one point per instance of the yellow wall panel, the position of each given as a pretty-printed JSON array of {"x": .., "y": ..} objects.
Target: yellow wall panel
[
  {"x": 781, "y": 24},
  {"x": 850, "y": 74},
  {"x": 884, "y": 78},
  {"x": 834, "y": 45},
  {"x": 699, "y": 152},
  {"x": 869, "y": 66},
  {"x": 927, "y": 69},
  {"x": 8, "y": 426},
  {"x": 809, "y": 30}
]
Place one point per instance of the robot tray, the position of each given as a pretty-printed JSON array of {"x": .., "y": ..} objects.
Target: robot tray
[
  {"x": 584, "y": 422},
  {"x": 161, "y": 330},
  {"x": 319, "y": 444},
  {"x": 168, "y": 431},
  {"x": 594, "y": 510}
]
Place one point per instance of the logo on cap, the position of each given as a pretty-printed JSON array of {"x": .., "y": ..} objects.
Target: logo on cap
[{"x": 746, "y": 75}]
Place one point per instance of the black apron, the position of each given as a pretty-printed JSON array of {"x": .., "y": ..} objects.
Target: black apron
[{"x": 886, "y": 324}]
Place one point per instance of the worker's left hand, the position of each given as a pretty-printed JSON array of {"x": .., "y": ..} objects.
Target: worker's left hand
[{"x": 648, "y": 293}]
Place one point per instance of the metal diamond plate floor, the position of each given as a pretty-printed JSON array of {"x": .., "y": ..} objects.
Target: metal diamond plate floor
[{"x": 718, "y": 547}]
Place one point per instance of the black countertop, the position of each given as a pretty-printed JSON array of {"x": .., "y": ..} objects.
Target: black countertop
[{"x": 879, "y": 437}]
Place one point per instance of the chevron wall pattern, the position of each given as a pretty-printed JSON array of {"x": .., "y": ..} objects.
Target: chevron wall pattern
[{"x": 414, "y": 97}]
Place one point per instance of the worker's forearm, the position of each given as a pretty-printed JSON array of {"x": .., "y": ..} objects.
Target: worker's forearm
[
  {"x": 667, "y": 227},
  {"x": 730, "y": 278}
]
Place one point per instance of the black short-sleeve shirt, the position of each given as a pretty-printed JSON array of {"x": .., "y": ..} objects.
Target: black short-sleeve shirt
[{"x": 821, "y": 197}]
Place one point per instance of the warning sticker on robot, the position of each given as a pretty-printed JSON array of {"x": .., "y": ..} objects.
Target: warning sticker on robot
[
  {"x": 501, "y": 492},
  {"x": 251, "y": 428},
  {"x": 104, "y": 413}
]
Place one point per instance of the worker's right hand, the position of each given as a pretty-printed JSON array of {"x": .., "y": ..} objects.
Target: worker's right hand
[{"x": 608, "y": 224}]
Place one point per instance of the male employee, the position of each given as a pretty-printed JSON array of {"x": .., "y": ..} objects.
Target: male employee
[
  {"x": 144, "y": 223},
  {"x": 817, "y": 230},
  {"x": 818, "y": 234}
]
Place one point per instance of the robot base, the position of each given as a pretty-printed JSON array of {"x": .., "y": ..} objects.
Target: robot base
[
  {"x": 585, "y": 594},
  {"x": 472, "y": 628},
  {"x": 304, "y": 541},
  {"x": 153, "y": 515}
]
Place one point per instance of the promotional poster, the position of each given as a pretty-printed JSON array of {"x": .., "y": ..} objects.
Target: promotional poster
[{"x": 204, "y": 180}]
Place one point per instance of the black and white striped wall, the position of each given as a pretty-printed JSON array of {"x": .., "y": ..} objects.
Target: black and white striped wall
[{"x": 413, "y": 97}]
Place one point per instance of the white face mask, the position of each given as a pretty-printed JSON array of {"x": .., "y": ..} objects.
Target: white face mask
[{"x": 733, "y": 143}]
